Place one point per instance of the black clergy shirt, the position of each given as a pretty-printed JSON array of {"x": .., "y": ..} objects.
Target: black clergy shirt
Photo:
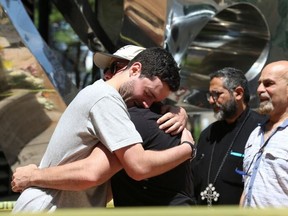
[{"x": 229, "y": 183}]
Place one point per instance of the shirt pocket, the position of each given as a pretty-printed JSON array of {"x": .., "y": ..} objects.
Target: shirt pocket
[{"x": 276, "y": 158}]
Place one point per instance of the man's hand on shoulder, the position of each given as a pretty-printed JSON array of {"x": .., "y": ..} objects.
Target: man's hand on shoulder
[{"x": 174, "y": 120}]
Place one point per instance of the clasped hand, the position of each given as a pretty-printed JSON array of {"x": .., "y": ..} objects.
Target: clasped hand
[{"x": 21, "y": 177}]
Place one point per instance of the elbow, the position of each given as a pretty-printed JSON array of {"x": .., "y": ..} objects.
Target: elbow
[
  {"x": 138, "y": 176},
  {"x": 95, "y": 178},
  {"x": 138, "y": 172}
]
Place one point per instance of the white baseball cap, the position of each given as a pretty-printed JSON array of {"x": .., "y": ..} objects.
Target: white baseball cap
[{"x": 128, "y": 52}]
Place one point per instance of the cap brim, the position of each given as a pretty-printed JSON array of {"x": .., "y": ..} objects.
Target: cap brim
[{"x": 103, "y": 60}]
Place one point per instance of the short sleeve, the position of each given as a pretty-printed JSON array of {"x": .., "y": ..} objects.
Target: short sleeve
[{"x": 112, "y": 124}]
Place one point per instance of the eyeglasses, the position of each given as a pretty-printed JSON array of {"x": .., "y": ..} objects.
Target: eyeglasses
[
  {"x": 214, "y": 94},
  {"x": 115, "y": 66}
]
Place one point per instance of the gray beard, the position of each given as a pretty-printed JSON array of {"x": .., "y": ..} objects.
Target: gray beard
[
  {"x": 265, "y": 107},
  {"x": 219, "y": 115},
  {"x": 227, "y": 111}
]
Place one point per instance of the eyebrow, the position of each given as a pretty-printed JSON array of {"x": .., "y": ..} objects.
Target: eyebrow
[{"x": 265, "y": 80}]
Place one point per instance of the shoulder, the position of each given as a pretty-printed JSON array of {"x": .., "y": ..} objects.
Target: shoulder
[
  {"x": 210, "y": 131},
  {"x": 97, "y": 91},
  {"x": 214, "y": 126},
  {"x": 142, "y": 113}
]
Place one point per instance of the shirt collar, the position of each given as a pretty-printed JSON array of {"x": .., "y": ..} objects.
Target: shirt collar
[{"x": 283, "y": 125}]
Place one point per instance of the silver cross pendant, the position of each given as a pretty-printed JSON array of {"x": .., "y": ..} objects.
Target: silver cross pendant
[{"x": 210, "y": 194}]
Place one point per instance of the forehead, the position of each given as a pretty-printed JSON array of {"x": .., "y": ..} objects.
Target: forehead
[
  {"x": 275, "y": 73},
  {"x": 216, "y": 83}
]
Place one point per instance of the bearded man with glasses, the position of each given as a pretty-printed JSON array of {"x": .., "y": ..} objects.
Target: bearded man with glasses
[{"x": 217, "y": 167}]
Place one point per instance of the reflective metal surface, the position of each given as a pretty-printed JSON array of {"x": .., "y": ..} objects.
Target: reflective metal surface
[
  {"x": 31, "y": 79},
  {"x": 29, "y": 101},
  {"x": 29, "y": 36},
  {"x": 144, "y": 22},
  {"x": 203, "y": 36},
  {"x": 85, "y": 23},
  {"x": 236, "y": 36},
  {"x": 185, "y": 20}
]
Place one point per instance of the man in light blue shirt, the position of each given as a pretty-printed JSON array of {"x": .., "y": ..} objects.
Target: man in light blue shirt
[{"x": 266, "y": 151}]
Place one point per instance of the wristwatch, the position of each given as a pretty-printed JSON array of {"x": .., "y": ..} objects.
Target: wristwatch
[{"x": 193, "y": 147}]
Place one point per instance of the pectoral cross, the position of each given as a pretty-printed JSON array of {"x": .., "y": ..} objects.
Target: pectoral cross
[{"x": 210, "y": 194}]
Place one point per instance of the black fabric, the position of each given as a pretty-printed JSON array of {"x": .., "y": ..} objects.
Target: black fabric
[
  {"x": 229, "y": 184},
  {"x": 171, "y": 188}
]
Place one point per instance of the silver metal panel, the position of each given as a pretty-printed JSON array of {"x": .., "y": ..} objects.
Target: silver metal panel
[
  {"x": 203, "y": 36},
  {"x": 31, "y": 79},
  {"x": 26, "y": 35}
]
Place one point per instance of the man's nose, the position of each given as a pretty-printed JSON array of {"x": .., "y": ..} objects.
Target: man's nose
[
  {"x": 260, "y": 89},
  {"x": 211, "y": 100}
]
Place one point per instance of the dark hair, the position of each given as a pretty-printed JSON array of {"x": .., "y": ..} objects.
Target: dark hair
[
  {"x": 233, "y": 78},
  {"x": 157, "y": 62}
]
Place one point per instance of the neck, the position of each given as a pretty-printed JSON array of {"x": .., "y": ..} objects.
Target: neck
[
  {"x": 117, "y": 80},
  {"x": 239, "y": 111},
  {"x": 275, "y": 121}
]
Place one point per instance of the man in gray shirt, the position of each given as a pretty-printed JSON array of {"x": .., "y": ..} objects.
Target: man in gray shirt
[{"x": 99, "y": 114}]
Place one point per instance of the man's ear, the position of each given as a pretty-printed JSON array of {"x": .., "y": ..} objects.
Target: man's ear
[
  {"x": 239, "y": 93},
  {"x": 135, "y": 69}
]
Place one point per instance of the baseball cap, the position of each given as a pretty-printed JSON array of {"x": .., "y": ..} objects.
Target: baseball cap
[{"x": 128, "y": 52}]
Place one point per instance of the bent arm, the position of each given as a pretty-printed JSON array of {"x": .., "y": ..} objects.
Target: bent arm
[
  {"x": 141, "y": 164},
  {"x": 94, "y": 170}
]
